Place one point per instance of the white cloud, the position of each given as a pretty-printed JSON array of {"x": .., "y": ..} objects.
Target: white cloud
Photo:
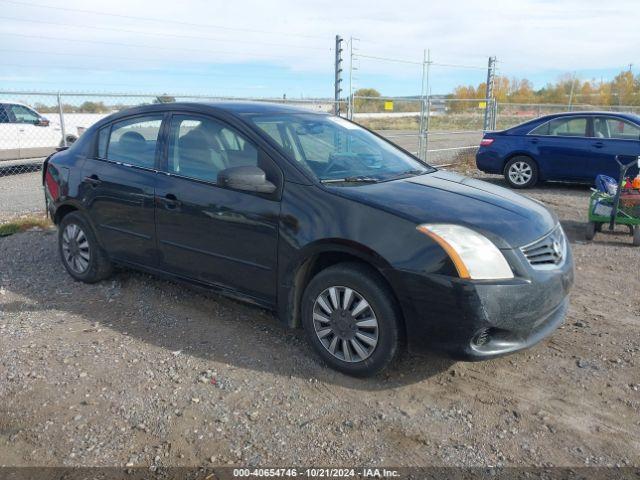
[{"x": 527, "y": 36}]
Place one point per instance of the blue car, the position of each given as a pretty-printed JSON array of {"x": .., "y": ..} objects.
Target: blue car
[{"x": 573, "y": 147}]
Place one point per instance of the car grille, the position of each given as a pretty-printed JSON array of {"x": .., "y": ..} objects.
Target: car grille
[{"x": 547, "y": 252}]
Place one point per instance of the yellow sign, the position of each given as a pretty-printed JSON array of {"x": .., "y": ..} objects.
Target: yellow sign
[
  {"x": 388, "y": 105},
  {"x": 482, "y": 104}
]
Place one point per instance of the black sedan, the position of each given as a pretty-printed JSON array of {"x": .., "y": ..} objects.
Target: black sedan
[{"x": 312, "y": 216}]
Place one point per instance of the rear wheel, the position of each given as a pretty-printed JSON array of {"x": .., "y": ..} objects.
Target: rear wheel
[
  {"x": 521, "y": 172},
  {"x": 351, "y": 319},
  {"x": 80, "y": 251},
  {"x": 590, "y": 231}
]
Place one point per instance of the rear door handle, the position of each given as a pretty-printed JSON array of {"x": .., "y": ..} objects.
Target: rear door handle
[
  {"x": 170, "y": 201},
  {"x": 534, "y": 140},
  {"x": 598, "y": 144},
  {"x": 93, "y": 180}
]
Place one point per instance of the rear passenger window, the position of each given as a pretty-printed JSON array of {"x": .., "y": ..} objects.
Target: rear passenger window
[
  {"x": 4, "y": 116},
  {"x": 568, "y": 127},
  {"x": 134, "y": 141},
  {"x": 200, "y": 148}
]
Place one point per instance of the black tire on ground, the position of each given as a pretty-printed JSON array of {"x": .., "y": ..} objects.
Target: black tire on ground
[
  {"x": 521, "y": 172},
  {"x": 590, "y": 231},
  {"x": 636, "y": 236},
  {"x": 70, "y": 140},
  {"x": 98, "y": 265},
  {"x": 367, "y": 283},
  {"x": 599, "y": 226}
]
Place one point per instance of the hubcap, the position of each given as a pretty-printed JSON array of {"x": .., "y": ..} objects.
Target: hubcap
[
  {"x": 345, "y": 324},
  {"x": 75, "y": 248},
  {"x": 520, "y": 173}
]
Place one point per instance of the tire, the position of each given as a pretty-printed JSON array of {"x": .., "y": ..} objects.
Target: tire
[
  {"x": 370, "y": 348},
  {"x": 590, "y": 231},
  {"x": 636, "y": 236},
  {"x": 521, "y": 172},
  {"x": 80, "y": 252},
  {"x": 70, "y": 140}
]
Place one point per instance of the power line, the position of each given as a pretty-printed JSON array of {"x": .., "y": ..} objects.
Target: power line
[
  {"x": 216, "y": 73},
  {"x": 152, "y": 60},
  {"x": 158, "y": 20},
  {"x": 153, "y": 47},
  {"x": 161, "y": 34}
]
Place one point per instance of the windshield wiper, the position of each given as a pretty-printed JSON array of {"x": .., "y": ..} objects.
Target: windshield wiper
[
  {"x": 407, "y": 173},
  {"x": 355, "y": 179}
]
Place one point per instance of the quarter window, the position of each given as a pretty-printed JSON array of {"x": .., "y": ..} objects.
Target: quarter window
[
  {"x": 134, "y": 141},
  {"x": 201, "y": 147},
  {"x": 103, "y": 140},
  {"x": 610, "y": 127}
]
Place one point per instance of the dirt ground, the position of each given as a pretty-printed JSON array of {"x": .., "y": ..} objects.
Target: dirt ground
[{"x": 139, "y": 371}]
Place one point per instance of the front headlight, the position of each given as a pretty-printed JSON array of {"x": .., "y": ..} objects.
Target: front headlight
[{"x": 473, "y": 254}]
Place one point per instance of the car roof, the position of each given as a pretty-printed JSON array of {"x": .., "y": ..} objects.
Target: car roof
[
  {"x": 589, "y": 113},
  {"x": 9, "y": 102},
  {"x": 231, "y": 106}
]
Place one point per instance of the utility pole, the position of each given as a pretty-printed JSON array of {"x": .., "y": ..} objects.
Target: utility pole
[
  {"x": 338, "y": 77},
  {"x": 351, "y": 69},
  {"x": 489, "y": 105},
  {"x": 425, "y": 105},
  {"x": 573, "y": 84}
]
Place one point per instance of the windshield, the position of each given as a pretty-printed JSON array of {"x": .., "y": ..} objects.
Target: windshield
[{"x": 335, "y": 150}]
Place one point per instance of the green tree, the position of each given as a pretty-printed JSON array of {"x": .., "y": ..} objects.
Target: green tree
[{"x": 369, "y": 103}]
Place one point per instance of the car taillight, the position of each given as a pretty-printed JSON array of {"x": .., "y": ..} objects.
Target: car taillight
[{"x": 485, "y": 142}]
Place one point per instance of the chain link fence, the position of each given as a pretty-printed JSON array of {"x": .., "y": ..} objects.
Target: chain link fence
[
  {"x": 450, "y": 133},
  {"x": 441, "y": 130},
  {"x": 33, "y": 125}
]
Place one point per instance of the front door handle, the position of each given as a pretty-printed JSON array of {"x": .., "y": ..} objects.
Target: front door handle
[
  {"x": 170, "y": 201},
  {"x": 598, "y": 144},
  {"x": 93, "y": 180}
]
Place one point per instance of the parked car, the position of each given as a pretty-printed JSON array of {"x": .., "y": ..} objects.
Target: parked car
[
  {"x": 25, "y": 133},
  {"x": 573, "y": 147},
  {"x": 318, "y": 219}
]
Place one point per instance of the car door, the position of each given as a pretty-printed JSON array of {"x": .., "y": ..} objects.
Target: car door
[
  {"x": 9, "y": 140},
  {"x": 614, "y": 136},
  {"x": 562, "y": 148},
  {"x": 209, "y": 233},
  {"x": 118, "y": 185}
]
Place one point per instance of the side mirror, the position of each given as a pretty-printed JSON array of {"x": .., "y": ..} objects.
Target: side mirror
[
  {"x": 248, "y": 178},
  {"x": 42, "y": 122}
]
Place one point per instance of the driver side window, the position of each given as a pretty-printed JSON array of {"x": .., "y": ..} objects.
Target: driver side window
[{"x": 23, "y": 114}]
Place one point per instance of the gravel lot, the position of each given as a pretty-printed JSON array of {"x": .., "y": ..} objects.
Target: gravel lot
[
  {"x": 21, "y": 194},
  {"x": 139, "y": 371}
]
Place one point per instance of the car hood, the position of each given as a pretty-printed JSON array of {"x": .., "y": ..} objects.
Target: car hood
[{"x": 510, "y": 220}]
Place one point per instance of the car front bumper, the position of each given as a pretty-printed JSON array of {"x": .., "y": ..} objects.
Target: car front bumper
[{"x": 478, "y": 320}]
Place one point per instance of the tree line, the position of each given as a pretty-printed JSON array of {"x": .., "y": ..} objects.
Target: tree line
[{"x": 623, "y": 89}]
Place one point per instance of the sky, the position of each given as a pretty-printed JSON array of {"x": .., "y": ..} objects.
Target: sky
[{"x": 286, "y": 47}]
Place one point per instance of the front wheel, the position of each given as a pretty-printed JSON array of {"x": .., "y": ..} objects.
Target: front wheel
[
  {"x": 590, "y": 231},
  {"x": 351, "y": 319},
  {"x": 521, "y": 172},
  {"x": 636, "y": 236}
]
